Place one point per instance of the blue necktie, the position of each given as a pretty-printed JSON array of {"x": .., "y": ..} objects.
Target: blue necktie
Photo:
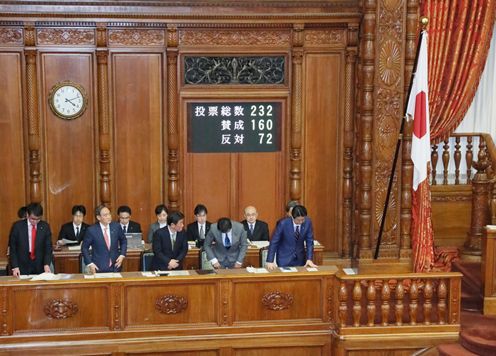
[
  {"x": 227, "y": 242},
  {"x": 297, "y": 232}
]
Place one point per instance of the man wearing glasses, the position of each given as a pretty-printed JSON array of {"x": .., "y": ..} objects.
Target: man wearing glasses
[{"x": 31, "y": 243}]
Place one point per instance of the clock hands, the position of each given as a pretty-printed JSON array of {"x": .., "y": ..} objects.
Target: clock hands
[{"x": 70, "y": 100}]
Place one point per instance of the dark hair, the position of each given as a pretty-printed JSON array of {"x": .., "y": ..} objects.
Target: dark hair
[
  {"x": 22, "y": 213},
  {"x": 161, "y": 207},
  {"x": 174, "y": 218},
  {"x": 123, "y": 209},
  {"x": 200, "y": 208},
  {"x": 78, "y": 209},
  {"x": 291, "y": 204},
  {"x": 224, "y": 225},
  {"x": 34, "y": 209},
  {"x": 98, "y": 209},
  {"x": 298, "y": 211}
]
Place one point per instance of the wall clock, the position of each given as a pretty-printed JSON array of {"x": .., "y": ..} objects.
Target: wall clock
[{"x": 68, "y": 100}]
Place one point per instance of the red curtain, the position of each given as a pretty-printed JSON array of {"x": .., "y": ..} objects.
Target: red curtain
[{"x": 459, "y": 36}]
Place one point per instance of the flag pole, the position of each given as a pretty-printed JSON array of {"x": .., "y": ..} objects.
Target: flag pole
[{"x": 424, "y": 21}]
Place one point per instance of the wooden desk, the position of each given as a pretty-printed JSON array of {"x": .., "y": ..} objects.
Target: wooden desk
[
  {"x": 232, "y": 311},
  {"x": 67, "y": 261}
]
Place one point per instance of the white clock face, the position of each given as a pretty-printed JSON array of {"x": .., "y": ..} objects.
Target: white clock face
[{"x": 68, "y": 101}]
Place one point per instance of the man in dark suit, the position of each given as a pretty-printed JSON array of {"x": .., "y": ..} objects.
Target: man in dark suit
[
  {"x": 199, "y": 229},
  {"x": 127, "y": 225},
  {"x": 256, "y": 230},
  {"x": 170, "y": 244},
  {"x": 289, "y": 240},
  {"x": 161, "y": 211},
  {"x": 107, "y": 241},
  {"x": 74, "y": 230},
  {"x": 31, "y": 243},
  {"x": 226, "y": 244}
]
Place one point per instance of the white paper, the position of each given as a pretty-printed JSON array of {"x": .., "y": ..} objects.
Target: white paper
[
  {"x": 103, "y": 275},
  {"x": 178, "y": 273},
  {"x": 260, "y": 244},
  {"x": 350, "y": 271},
  {"x": 148, "y": 274},
  {"x": 25, "y": 276},
  {"x": 288, "y": 269},
  {"x": 256, "y": 270},
  {"x": 45, "y": 277},
  {"x": 74, "y": 248},
  {"x": 312, "y": 269}
]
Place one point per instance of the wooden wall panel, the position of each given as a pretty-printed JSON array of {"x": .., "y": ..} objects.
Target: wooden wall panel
[
  {"x": 138, "y": 130},
  {"x": 282, "y": 351},
  {"x": 70, "y": 145},
  {"x": 262, "y": 176},
  {"x": 208, "y": 178},
  {"x": 12, "y": 179},
  {"x": 323, "y": 99}
]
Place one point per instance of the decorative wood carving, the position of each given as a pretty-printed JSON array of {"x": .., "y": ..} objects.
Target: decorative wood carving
[
  {"x": 351, "y": 54},
  {"x": 65, "y": 36},
  {"x": 104, "y": 125},
  {"x": 216, "y": 37},
  {"x": 116, "y": 306},
  {"x": 136, "y": 37},
  {"x": 171, "y": 304},
  {"x": 296, "y": 114},
  {"x": 4, "y": 311},
  {"x": 11, "y": 36},
  {"x": 451, "y": 198},
  {"x": 29, "y": 35},
  {"x": 60, "y": 309},
  {"x": 34, "y": 137},
  {"x": 325, "y": 37},
  {"x": 277, "y": 300},
  {"x": 366, "y": 118},
  {"x": 173, "y": 134},
  {"x": 343, "y": 303}
]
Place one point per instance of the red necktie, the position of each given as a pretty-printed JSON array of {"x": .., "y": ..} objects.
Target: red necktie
[
  {"x": 107, "y": 241},
  {"x": 33, "y": 242}
]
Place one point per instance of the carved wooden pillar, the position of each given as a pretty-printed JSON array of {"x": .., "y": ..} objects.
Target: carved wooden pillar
[
  {"x": 296, "y": 113},
  {"x": 482, "y": 187},
  {"x": 34, "y": 136},
  {"x": 173, "y": 138},
  {"x": 103, "y": 116},
  {"x": 351, "y": 54},
  {"x": 366, "y": 119},
  {"x": 406, "y": 162}
]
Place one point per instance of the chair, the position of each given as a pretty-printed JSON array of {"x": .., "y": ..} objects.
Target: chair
[
  {"x": 204, "y": 262},
  {"x": 82, "y": 266},
  {"x": 263, "y": 256},
  {"x": 146, "y": 261}
]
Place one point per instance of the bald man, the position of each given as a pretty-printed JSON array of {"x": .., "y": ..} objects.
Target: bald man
[{"x": 256, "y": 230}]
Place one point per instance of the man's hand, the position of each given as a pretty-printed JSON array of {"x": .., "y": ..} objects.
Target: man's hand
[
  {"x": 216, "y": 265},
  {"x": 271, "y": 266},
  {"x": 16, "y": 272},
  {"x": 173, "y": 264},
  {"x": 93, "y": 268},
  {"x": 238, "y": 265},
  {"x": 310, "y": 264},
  {"x": 118, "y": 261},
  {"x": 46, "y": 269}
]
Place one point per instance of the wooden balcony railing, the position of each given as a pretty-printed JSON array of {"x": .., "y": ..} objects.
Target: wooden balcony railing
[
  {"x": 398, "y": 303},
  {"x": 451, "y": 159}
]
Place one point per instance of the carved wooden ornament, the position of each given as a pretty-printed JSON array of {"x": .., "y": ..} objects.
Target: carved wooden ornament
[
  {"x": 277, "y": 300},
  {"x": 171, "y": 304},
  {"x": 60, "y": 309}
]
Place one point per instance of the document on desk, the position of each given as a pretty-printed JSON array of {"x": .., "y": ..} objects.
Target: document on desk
[
  {"x": 256, "y": 270},
  {"x": 288, "y": 269},
  {"x": 149, "y": 274},
  {"x": 45, "y": 277},
  {"x": 260, "y": 244},
  {"x": 178, "y": 273},
  {"x": 74, "y": 248},
  {"x": 103, "y": 275}
]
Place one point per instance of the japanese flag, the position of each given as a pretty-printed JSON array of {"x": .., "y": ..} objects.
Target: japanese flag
[{"x": 418, "y": 108}]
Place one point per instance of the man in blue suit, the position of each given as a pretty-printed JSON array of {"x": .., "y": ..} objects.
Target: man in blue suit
[
  {"x": 289, "y": 240},
  {"x": 107, "y": 241}
]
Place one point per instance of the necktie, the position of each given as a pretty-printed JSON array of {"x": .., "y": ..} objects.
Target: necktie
[
  {"x": 124, "y": 228},
  {"x": 107, "y": 241},
  {"x": 251, "y": 229},
  {"x": 77, "y": 232},
  {"x": 227, "y": 242},
  {"x": 33, "y": 242},
  {"x": 173, "y": 239},
  {"x": 202, "y": 233},
  {"x": 297, "y": 232}
]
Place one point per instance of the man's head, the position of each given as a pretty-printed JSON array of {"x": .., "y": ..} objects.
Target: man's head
[
  {"x": 201, "y": 213},
  {"x": 124, "y": 214},
  {"x": 161, "y": 211},
  {"x": 251, "y": 214},
  {"x": 290, "y": 205},
  {"x": 299, "y": 213},
  {"x": 22, "y": 213},
  {"x": 224, "y": 225},
  {"x": 176, "y": 221},
  {"x": 103, "y": 215},
  {"x": 34, "y": 213},
  {"x": 78, "y": 213}
]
